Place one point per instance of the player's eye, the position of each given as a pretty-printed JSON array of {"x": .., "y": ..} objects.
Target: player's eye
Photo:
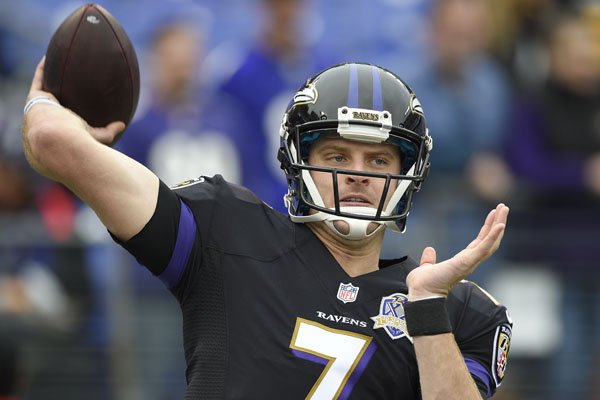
[
  {"x": 336, "y": 158},
  {"x": 379, "y": 161}
]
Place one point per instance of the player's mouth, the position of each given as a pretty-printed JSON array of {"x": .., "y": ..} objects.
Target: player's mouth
[{"x": 355, "y": 200}]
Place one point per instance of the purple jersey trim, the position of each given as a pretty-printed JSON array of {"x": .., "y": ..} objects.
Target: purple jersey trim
[
  {"x": 360, "y": 368},
  {"x": 353, "y": 378},
  {"x": 310, "y": 357},
  {"x": 478, "y": 370},
  {"x": 183, "y": 247}
]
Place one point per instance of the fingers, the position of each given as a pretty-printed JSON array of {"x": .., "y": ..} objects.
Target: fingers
[
  {"x": 501, "y": 220},
  {"x": 36, "y": 88},
  {"x": 487, "y": 225},
  {"x": 502, "y": 213},
  {"x": 107, "y": 134},
  {"x": 38, "y": 76},
  {"x": 428, "y": 256},
  {"x": 497, "y": 215},
  {"x": 489, "y": 238},
  {"x": 489, "y": 243},
  {"x": 116, "y": 127},
  {"x": 485, "y": 229},
  {"x": 494, "y": 217},
  {"x": 498, "y": 227}
]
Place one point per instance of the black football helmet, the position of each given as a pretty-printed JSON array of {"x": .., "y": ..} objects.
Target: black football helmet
[{"x": 364, "y": 103}]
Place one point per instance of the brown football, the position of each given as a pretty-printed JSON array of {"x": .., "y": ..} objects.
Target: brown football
[{"x": 92, "y": 68}]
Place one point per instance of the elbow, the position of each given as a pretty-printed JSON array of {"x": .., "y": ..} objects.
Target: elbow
[
  {"x": 37, "y": 140},
  {"x": 45, "y": 146}
]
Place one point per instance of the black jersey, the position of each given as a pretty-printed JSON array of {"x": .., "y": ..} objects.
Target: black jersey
[{"x": 268, "y": 313}]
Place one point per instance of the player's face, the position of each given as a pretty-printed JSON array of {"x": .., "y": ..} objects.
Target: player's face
[{"x": 354, "y": 190}]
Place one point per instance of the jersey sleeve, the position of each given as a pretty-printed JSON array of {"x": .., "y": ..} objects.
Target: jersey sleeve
[
  {"x": 483, "y": 330},
  {"x": 166, "y": 240},
  {"x": 174, "y": 237},
  {"x": 200, "y": 214}
]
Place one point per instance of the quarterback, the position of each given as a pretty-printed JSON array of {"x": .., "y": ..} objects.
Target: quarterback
[{"x": 300, "y": 306}]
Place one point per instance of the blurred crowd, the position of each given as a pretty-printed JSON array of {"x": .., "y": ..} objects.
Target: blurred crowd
[{"x": 511, "y": 93}]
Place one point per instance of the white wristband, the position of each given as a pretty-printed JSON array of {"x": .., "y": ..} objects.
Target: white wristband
[{"x": 39, "y": 99}]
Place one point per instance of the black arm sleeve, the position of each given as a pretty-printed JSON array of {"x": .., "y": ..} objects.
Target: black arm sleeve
[{"x": 153, "y": 245}]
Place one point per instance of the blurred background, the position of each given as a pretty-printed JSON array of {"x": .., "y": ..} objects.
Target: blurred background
[{"x": 510, "y": 89}]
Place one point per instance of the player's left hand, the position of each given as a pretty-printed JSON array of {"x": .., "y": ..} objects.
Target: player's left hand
[{"x": 436, "y": 279}]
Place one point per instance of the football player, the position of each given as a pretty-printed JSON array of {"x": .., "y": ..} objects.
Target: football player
[{"x": 300, "y": 305}]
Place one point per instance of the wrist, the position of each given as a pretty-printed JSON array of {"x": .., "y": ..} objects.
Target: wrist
[
  {"x": 39, "y": 100},
  {"x": 427, "y": 317},
  {"x": 418, "y": 295}
]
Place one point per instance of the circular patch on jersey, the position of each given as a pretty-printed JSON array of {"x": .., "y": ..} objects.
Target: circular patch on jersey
[
  {"x": 501, "y": 348},
  {"x": 391, "y": 316}
]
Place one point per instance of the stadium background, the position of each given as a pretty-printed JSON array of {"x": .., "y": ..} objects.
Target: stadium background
[{"x": 79, "y": 319}]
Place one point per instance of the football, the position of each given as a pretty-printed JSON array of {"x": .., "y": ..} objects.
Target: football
[{"x": 92, "y": 68}]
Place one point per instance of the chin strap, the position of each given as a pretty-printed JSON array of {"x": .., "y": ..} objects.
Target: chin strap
[{"x": 357, "y": 228}]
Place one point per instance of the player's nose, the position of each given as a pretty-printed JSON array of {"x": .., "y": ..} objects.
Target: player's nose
[
  {"x": 357, "y": 179},
  {"x": 357, "y": 164}
]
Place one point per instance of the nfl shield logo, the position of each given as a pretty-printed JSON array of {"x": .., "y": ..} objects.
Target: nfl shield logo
[{"x": 347, "y": 292}]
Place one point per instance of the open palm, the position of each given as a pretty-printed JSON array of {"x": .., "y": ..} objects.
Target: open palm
[{"x": 436, "y": 279}]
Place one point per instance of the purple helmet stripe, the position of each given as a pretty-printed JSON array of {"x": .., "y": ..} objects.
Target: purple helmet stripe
[
  {"x": 377, "y": 95},
  {"x": 353, "y": 87}
]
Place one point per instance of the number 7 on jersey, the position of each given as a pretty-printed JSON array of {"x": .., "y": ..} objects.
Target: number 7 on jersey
[{"x": 344, "y": 354}]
